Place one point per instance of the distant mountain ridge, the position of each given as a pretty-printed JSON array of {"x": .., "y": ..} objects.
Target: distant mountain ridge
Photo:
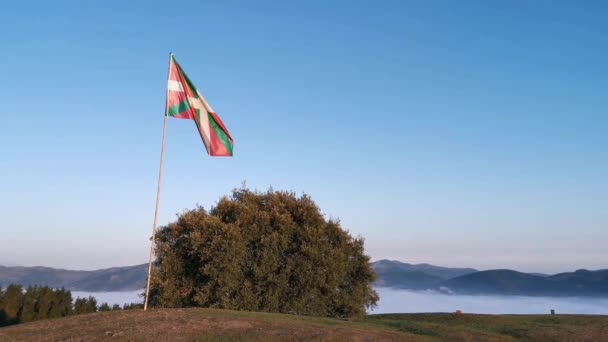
[
  {"x": 390, "y": 273},
  {"x": 401, "y": 275},
  {"x": 110, "y": 279},
  {"x": 508, "y": 282},
  {"x": 414, "y": 276}
]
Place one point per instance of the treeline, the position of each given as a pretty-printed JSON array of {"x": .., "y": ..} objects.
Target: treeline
[{"x": 35, "y": 303}]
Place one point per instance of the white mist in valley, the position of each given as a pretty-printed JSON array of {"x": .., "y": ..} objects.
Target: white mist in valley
[
  {"x": 120, "y": 298},
  {"x": 408, "y": 301}
]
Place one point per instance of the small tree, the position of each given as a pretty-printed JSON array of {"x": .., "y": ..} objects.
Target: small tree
[
  {"x": 132, "y": 306},
  {"x": 268, "y": 251},
  {"x": 116, "y": 307},
  {"x": 63, "y": 306},
  {"x": 46, "y": 301},
  {"x": 104, "y": 307},
  {"x": 85, "y": 305},
  {"x": 29, "y": 306},
  {"x": 11, "y": 304},
  {"x": 80, "y": 306},
  {"x": 3, "y": 319}
]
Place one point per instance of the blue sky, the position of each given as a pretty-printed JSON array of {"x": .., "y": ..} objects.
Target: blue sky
[{"x": 456, "y": 133}]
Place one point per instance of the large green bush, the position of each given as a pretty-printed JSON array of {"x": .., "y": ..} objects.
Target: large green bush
[{"x": 269, "y": 251}]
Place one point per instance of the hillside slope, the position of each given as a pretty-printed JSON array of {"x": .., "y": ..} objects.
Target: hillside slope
[
  {"x": 197, "y": 325},
  {"x": 224, "y": 325}
]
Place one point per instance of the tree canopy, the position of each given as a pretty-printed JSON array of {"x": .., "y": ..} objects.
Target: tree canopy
[
  {"x": 262, "y": 251},
  {"x": 35, "y": 303}
]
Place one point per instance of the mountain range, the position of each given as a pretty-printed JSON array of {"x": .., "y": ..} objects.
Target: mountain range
[
  {"x": 401, "y": 275},
  {"x": 507, "y": 282},
  {"x": 394, "y": 274},
  {"x": 109, "y": 279},
  {"x": 418, "y": 277}
]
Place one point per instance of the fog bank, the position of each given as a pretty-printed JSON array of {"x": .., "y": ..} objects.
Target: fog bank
[
  {"x": 112, "y": 298},
  {"x": 407, "y": 301}
]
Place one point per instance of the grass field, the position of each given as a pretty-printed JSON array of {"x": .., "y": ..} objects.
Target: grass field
[{"x": 224, "y": 325}]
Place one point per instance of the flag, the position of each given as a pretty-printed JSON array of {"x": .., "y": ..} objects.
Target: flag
[{"x": 184, "y": 101}]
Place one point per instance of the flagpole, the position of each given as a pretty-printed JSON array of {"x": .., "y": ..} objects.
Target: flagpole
[{"x": 160, "y": 182}]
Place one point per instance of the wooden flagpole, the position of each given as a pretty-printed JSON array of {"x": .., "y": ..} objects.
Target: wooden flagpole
[{"x": 160, "y": 182}]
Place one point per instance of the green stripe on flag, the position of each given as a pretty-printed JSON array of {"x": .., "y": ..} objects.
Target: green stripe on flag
[
  {"x": 178, "y": 108},
  {"x": 220, "y": 134},
  {"x": 188, "y": 82}
]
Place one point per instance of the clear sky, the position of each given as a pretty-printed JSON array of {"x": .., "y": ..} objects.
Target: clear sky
[{"x": 459, "y": 133}]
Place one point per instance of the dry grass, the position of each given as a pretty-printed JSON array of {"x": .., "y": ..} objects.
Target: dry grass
[
  {"x": 223, "y": 325},
  {"x": 195, "y": 325},
  {"x": 469, "y": 327}
]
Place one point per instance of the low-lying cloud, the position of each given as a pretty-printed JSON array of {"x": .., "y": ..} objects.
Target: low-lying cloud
[
  {"x": 120, "y": 298},
  {"x": 408, "y": 301}
]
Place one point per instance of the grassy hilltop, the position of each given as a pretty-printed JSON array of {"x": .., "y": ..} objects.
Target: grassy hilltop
[{"x": 225, "y": 325}]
